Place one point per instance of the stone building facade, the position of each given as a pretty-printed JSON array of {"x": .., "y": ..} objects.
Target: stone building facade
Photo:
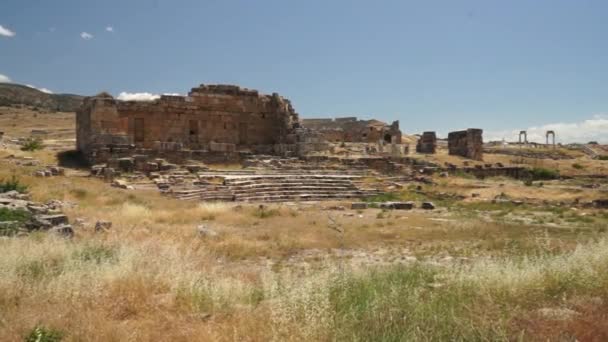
[
  {"x": 427, "y": 143},
  {"x": 350, "y": 129},
  {"x": 468, "y": 143},
  {"x": 212, "y": 119}
]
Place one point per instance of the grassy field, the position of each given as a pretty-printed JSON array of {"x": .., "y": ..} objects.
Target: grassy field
[{"x": 469, "y": 270}]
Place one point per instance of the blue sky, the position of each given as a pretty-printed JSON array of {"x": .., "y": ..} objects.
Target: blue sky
[{"x": 433, "y": 65}]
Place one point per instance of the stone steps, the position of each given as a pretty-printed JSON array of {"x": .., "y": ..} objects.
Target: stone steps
[{"x": 276, "y": 188}]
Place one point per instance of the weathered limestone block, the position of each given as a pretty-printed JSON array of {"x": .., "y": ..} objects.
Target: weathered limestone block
[{"x": 468, "y": 144}]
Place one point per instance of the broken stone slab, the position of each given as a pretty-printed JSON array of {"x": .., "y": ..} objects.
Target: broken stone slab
[
  {"x": 600, "y": 203},
  {"x": 64, "y": 230},
  {"x": 14, "y": 195},
  {"x": 54, "y": 220},
  {"x": 387, "y": 205},
  {"x": 101, "y": 226},
  {"x": 205, "y": 231},
  {"x": 403, "y": 205},
  {"x": 358, "y": 205},
  {"x": 119, "y": 183},
  {"x": 427, "y": 205}
]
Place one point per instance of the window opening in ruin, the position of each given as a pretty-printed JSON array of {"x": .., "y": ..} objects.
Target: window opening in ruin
[
  {"x": 263, "y": 115},
  {"x": 224, "y": 125},
  {"x": 387, "y": 138},
  {"x": 193, "y": 127},
  {"x": 139, "y": 129}
]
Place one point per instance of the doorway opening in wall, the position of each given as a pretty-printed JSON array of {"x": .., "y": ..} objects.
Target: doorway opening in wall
[
  {"x": 387, "y": 138},
  {"x": 138, "y": 129},
  {"x": 193, "y": 131}
]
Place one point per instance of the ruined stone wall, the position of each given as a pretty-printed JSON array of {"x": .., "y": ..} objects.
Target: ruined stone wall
[
  {"x": 215, "y": 118},
  {"x": 427, "y": 143},
  {"x": 349, "y": 129},
  {"x": 468, "y": 144}
]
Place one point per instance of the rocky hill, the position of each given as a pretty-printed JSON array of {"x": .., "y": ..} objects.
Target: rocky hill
[{"x": 12, "y": 94}]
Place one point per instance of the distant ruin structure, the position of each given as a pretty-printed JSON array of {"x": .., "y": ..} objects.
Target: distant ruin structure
[
  {"x": 217, "y": 123},
  {"x": 350, "y": 129},
  {"x": 552, "y": 134},
  {"x": 212, "y": 119},
  {"x": 468, "y": 143},
  {"x": 525, "y": 134},
  {"x": 427, "y": 143}
]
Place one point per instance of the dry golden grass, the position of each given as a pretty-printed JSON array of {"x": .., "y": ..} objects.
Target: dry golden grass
[
  {"x": 279, "y": 273},
  {"x": 19, "y": 122}
]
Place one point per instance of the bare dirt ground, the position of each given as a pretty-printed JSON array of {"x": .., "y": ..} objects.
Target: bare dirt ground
[{"x": 530, "y": 266}]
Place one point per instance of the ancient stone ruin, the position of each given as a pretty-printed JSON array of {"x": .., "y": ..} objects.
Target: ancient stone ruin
[
  {"x": 468, "y": 144},
  {"x": 350, "y": 129},
  {"x": 212, "y": 121},
  {"x": 427, "y": 143}
]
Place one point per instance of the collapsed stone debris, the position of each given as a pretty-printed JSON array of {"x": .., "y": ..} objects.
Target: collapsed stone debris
[{"x": 34, "y": 216}]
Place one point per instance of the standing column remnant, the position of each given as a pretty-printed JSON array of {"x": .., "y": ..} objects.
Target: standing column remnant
[
  {"x": 427, "y": 143},
  {"x": 552, "y": 134},
  {"x": 525, "y": 134}
]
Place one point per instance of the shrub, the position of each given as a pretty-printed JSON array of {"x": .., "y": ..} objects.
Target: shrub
[
  {"x": 12, "y": 184},
  {"x": 43, "y": 334},
  {"x": 32, "y": 144},
  {"x": 387, "y": 197},
  {"x": 17, "y": 215},
  {"x": 578, "y": 166},
  {"x": 97, "y": 254},
  {"x": 540, "y": 173},
  {"x": 263, "y": 212},
  {"x": 602, "y": 157}
]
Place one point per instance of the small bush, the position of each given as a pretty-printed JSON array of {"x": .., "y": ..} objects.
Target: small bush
[
  {"x": 97, "y": 254},
  {"x": 578, "y": 166},
  {"x": 43, "y": 334},
  {"x": 79, "y": 193},
  {"x": 32, "y": 144},
  {"x": 602, "y": 157},
  {"x": 540, "y": 173},
  {"x": 17, "y": 215},
  {"x": 12, "y": 184},
  {"x": 263, "y": 212},
  {"x": 387, "y": 197}
]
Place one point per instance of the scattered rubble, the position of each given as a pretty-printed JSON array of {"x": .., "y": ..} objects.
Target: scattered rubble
[{"x": 33, "y": 216}]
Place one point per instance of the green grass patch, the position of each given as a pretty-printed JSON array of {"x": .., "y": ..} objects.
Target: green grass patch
[
  {"x": 541, "y": 173},
  {"x": 12, "y": 184},
  {"x": 43, "y": 334},
  {"x": 97, "y": 254},
  {"x": 385, "y": 197},
  {"x": 32, "y": 144}
]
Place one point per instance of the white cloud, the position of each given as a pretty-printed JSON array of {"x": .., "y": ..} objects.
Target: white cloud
[
  {"x": 594, "y": 129},
  {"x": 86, "y": 36},
  {"x": 6, "y": 32},
  {"x": 4, "y": 79},
  {"x": 124, "y": 96},
  {"x": 109, "y": 29},
  {"x": 44, "y": 90}
]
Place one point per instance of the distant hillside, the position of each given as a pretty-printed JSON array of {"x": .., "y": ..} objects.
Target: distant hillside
[{"x": 11, "y": 94}]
